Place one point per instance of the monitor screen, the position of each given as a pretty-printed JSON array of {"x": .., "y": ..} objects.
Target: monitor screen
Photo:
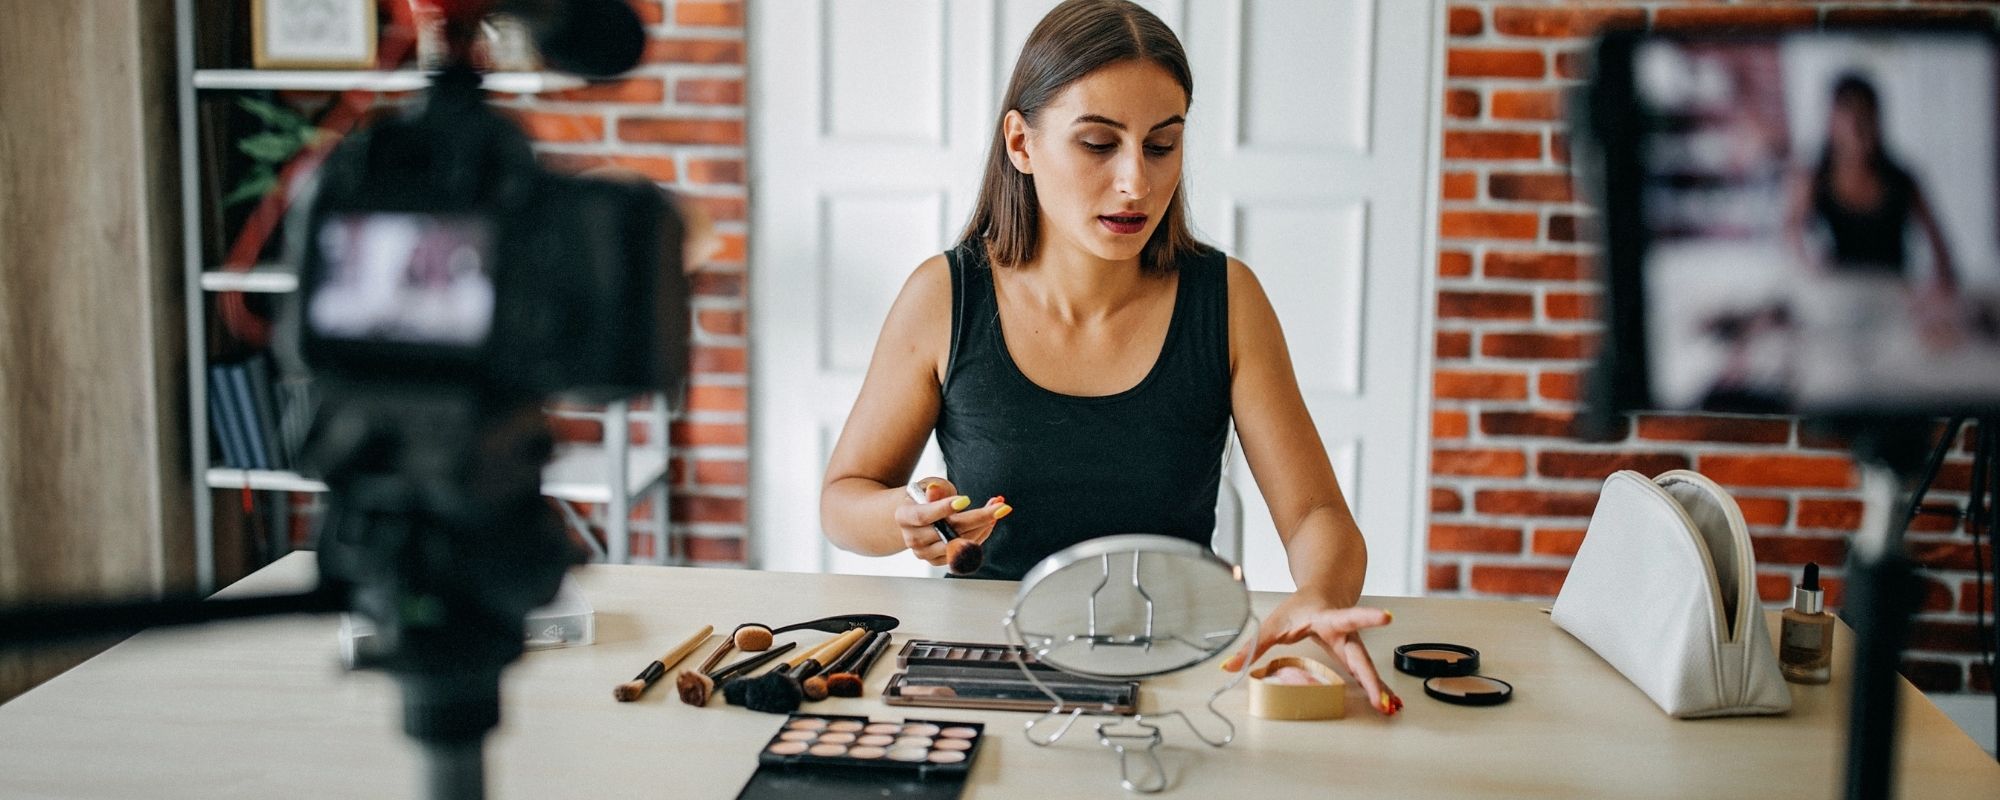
[{"x": 398, "y": 278}]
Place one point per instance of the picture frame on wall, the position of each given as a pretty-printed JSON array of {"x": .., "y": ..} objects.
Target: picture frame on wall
[{"x": 313, "y": 34}]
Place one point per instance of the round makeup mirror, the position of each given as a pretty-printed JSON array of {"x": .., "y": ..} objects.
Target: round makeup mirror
[
  {"x": 1125, "y": 608},
  {"x": 1129, "y": 607}
]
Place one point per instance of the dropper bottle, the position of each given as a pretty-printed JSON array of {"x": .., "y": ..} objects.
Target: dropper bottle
[{"x": 1805, "y": 642}]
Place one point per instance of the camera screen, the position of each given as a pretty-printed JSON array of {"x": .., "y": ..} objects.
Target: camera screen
[
  {"x": 1819, "y": 214},
  {"x": 416, "y": 279}
]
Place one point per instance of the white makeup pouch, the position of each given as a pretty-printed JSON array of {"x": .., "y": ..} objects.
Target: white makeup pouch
[{"x": 1664, "y": 588}]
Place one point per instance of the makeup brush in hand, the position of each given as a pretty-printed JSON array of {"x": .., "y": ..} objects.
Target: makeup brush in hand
[
  {"x": 632, "y": 689},
  {"x": 962, "y": 556}
]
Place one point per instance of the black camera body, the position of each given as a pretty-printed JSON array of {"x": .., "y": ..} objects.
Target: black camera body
[{"x": 438, "y": 250}]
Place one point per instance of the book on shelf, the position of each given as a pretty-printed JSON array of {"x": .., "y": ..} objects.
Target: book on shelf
[
  {"x": 260, "y": 416},
  {"x": 253, "y": 429},
  {"x": 221, "y": 420}
]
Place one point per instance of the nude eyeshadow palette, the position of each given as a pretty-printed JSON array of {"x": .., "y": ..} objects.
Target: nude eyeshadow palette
[{"x": 834, "y": 756}]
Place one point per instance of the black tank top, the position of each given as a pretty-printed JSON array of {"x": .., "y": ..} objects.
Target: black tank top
[
  {"x": 1144, "y": 460},
  {"x": 1869, "y": 240}
]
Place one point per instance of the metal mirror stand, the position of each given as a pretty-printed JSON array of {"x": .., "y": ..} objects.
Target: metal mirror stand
[{"x": 1133, "y": 735}]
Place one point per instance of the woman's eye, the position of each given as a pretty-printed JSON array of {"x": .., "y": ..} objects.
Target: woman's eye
[
  {"x": 1159, "y": 149},
  {"x": 1099, "y": 147}
]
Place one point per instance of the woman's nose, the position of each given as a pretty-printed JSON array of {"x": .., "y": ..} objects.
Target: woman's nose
[{"x": 1132, "y": 179}]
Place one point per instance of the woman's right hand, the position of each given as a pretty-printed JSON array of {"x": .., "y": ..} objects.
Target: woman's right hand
[{"x": 943, "y": 502}]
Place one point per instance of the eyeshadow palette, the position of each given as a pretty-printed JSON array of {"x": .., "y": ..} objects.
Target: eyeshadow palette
[
  {"x": 1006, "y": 690},
  {"x": 834, "y": 756},
  {"x": 929, "y": 653}
]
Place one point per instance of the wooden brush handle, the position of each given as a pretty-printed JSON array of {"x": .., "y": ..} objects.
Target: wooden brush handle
[
  {"x": 842, "y": 641},
  {"x": 721, "y": 651},
  {"x": 682, "y": 650}
]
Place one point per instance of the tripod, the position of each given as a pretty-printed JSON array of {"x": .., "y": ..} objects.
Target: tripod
[{"x": 1981, "y": 514}]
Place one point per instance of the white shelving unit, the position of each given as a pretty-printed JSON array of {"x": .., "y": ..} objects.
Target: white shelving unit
[{"x": 611, "y": 474}]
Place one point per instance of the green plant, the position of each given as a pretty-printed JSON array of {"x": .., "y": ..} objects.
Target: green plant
[{"x": 285, "y": 133}]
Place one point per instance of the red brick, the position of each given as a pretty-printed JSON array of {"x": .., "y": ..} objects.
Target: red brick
[
  {"x": 1474, "y": 539},
  {"x": 722, "y": 473},
  {"x": 1910, "y": 16},
  {"x": 693, "y": 14},
  {"x": 1537, "y": 346},
  {"x": 651, "y": 12},
  {"x": 1933, "y": 676},
  {"x": 1970, "y": 597},
  {"x": 1565, "y": 386},
  {"x": 1517, "y": 580},
  {"x": 1535, "y": 105},
  {"x": 694, "y": 51},
  {"x": 1461, "y": 103},
  {"x": 1454, "y": 344},
  {"x": 709, "y": 91},
  {"x": 1735, "y": 430},
  {"x": 1559, "y": 147},
  {"x": 708, "y": 549},
  {"x": 1532, "y": 266},
  {"x": 1454, "y": 264},
  {"x": 681, "y": 131},
  {"x": 725, "y": 360},
  {"x": 735, "y": 247},
  {"x": 725, "y": 323},
  {"x": 1595, "y": 466},
  {"x": 1466, "y": 21},
  {"x": 1564, "y": 228},
  {"x": 1764, "y": 512},
  {"x": 1936, "y": 517},
  {"x": 1798, "y": 549},
  {"x": 1479, "y": 463},
  {"x": 1944, "y": 555},
  {"x": 1485, "y": 305},
  {"x": 1459, "y": 186},
  {"x": 690, "y": 434},
  {"x": 1570, "y": 306},
  {"x": 1528, "y": 423},
  {"x": 1450, "y": 424},
  {"x": 702, "y": 508},
  {"x": 627, "y": 90},
  {"x": 1825, "y": 472},
  {"x": 1953, "y": 476},
  {"x": 1487, "y": 225},
  {"x": 1470, "y": 63},
  {"x": 1571, "y": 64},
  {"x": 1774, "y": 588},
  {"x": 731, "y": 209},
  {"x": 1478, "y": 385},
  {"x": 1446, "y": 501},
  {"x": 1838, "y": 515},
  {"x": 549, "y": 126},
  {"x": 1546, "y": 188},
  {"x": 1562, "y": 23},
  {"x": 717, "y": 398},
  {"x": 713, "y": 283},
  {"x": 1557, "y": 541},
  {"x": 1944, "y": 637},
  {"x": 573, "y": 429},
  {"x": 716, "y": 170},
  {"x": 1534, "y": 503},
  {"x": 1441, "y": 577},
  {"x": 1935, "y": 596},
  {"x": 1492, "y": 145},
  {"x": 1720, "y": 20}
]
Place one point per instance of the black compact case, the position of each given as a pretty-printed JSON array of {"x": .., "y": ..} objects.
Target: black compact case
[
  {"x": 834, "y": 757},
  {"x": 1437, "y": 660}
]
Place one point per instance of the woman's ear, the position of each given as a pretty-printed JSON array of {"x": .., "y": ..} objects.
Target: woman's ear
[{"x": 1014, "y": 132}]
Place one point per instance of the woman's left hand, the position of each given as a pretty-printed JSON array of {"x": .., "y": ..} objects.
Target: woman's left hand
[{"x": 1336, "y": 629}]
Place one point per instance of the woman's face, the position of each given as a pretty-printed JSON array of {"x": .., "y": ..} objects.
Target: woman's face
[
  {"x": 1105, "y": 157},
  {"x": 1854, "y": 131}
]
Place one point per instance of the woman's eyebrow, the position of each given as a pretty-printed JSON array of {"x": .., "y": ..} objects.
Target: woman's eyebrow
[{"x": 1104, "y": 120}]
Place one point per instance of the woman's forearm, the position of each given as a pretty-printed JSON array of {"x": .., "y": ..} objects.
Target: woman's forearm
[
  {"x": 1328, "y": 557},
  {"x": 859, "y": 516}
]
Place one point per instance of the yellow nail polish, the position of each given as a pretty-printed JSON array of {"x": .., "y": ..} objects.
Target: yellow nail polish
[
  {"x": 1002, "y": 511},
  {"x": 960, "y": 502},
  {"x": 1388, "y": 617},
  {"x": 1385, "y": 701}
]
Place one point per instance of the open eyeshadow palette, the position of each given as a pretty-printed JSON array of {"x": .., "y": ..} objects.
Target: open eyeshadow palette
[
  {"x": 985, "y": 676},
  {"x": 831, "y": 756}
]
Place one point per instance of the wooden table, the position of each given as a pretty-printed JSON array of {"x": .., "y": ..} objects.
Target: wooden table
[{"x": 262, "y": 709}]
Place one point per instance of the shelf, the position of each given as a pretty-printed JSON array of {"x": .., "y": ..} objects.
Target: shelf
[
  {"x": 578, "y": 473},
  {"x": 268, "y": 278},
  {"x": 581, "y": 473},
  {"x": 371, "y": 80}
]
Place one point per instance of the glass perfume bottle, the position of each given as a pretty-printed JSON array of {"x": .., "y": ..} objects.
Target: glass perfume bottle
[{"x": 1805, "y": 642}]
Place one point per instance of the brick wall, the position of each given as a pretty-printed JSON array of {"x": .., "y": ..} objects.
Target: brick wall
[
  {"x": 678, "y": 118},
  {"x": 1511, "y": 490}
]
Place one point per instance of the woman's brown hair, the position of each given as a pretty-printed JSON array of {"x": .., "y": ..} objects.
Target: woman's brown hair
[{"x": 1074, "y": 40}]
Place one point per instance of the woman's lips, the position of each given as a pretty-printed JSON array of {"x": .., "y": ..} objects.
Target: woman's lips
[{"x": 1123, "y": 224}]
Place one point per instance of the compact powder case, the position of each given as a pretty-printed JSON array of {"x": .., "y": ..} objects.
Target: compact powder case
[
  {"x": 1437, "y": 660},
  {"x": 1469, "y": 690}
]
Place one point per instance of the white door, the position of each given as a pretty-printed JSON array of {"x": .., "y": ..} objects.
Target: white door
[{"x": 1308, "y": 158}]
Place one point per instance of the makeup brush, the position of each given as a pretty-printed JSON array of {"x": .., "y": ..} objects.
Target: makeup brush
[
  {"x": 778, "y": 691},
  {"x": 813, "y": 682},
  {"x": 751, "y": 637},
  {"x": 847, "y": 681},
  {"x": 632, "y": 689},
  {"x": 961, "y": 556},
  {"x": 695, "y": 685},
  {"x": 731, "y": 679}
]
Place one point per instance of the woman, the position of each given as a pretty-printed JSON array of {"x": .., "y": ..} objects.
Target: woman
[{"x": 1080, "y": 355}]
